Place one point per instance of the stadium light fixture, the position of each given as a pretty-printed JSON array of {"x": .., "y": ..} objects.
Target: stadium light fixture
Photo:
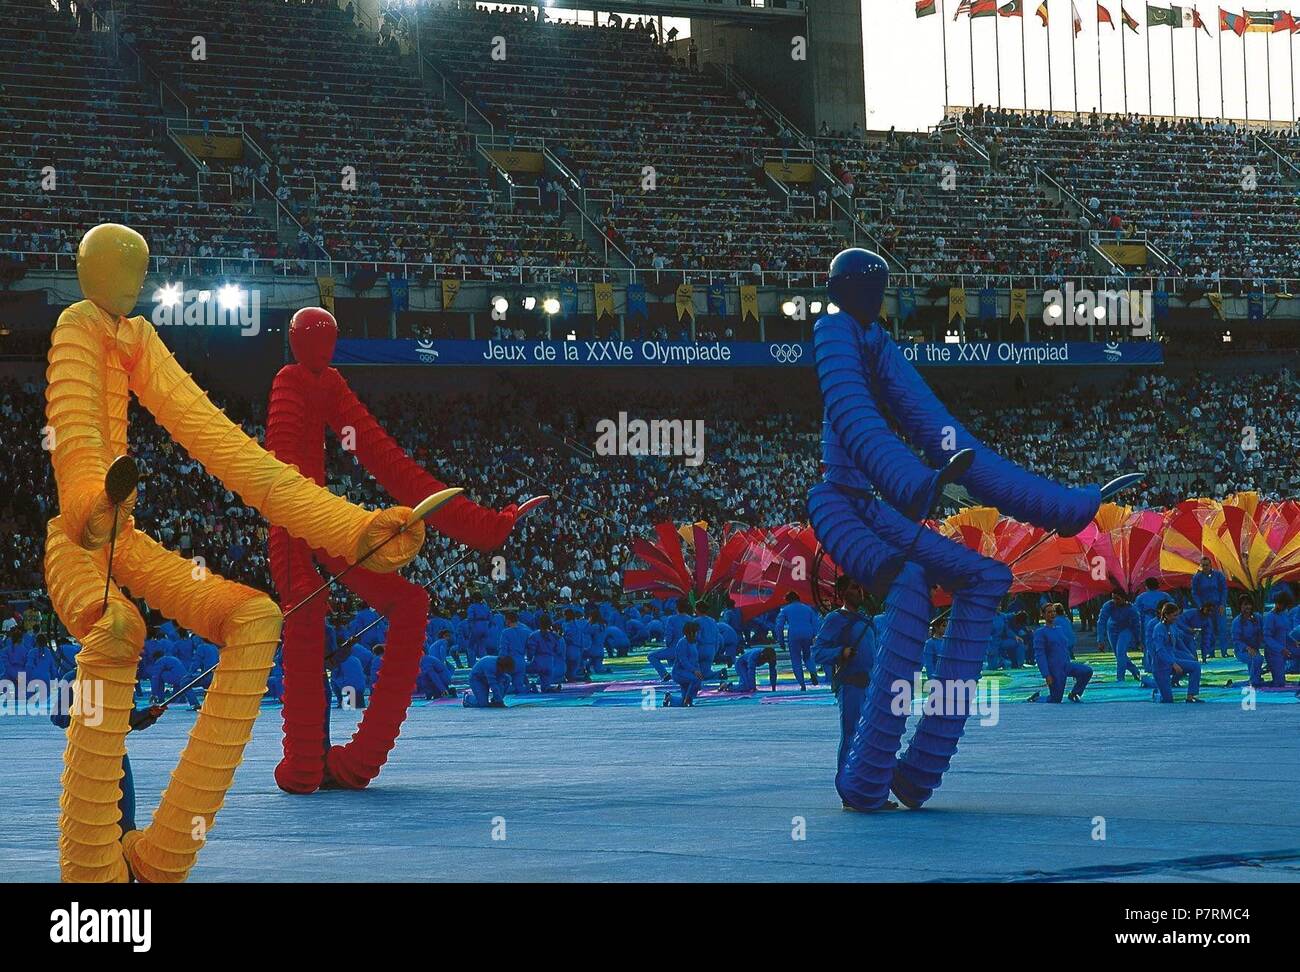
[
  {"x": 788, "y": 308},
  {"x": 551, "y": 305},
  {"x": 1099, "y": 312},
  {"x": 204, "y": 296},
  {"x": 832, "y": 308},
  {"x": 815, "y": 307},
  {"x": 169, "y": 295},
  {"x": 229, "y": 296},
  {"x": 952, "y": 337},
  {"x": 1227, "y": 337},
  {"x": 500, "y": 304},
  {"x": 1054, "y": 311},
  {"x": 530, "y": 303}
]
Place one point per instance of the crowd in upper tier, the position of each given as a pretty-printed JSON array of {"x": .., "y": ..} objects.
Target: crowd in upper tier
[{"x": 345, "y": 149}]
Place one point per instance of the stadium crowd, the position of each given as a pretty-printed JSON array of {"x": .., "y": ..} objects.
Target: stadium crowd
[{"x": 761, "y": 457}]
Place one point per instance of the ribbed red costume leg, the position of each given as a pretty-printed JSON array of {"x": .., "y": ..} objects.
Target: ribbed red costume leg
[
  {"x": 406, "y": 606},
  {"x": 303, "y": 660}
]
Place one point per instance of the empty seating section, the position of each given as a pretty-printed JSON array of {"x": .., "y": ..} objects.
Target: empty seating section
[
  {"x": 368, "y": 159},
  {"x": 77, "y": 148},
  {"x": 619, "y": 112}
]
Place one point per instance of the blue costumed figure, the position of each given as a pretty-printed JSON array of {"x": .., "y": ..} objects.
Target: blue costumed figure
[{"x": 866, "y": 512}]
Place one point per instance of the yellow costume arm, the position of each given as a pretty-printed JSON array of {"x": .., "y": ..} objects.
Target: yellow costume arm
[
  {"x": 276, "y": 490},
  {"x": 77, "y": 414}
]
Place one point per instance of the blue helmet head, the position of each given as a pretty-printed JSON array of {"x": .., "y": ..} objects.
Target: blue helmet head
[{"x": 857, "y": 283}]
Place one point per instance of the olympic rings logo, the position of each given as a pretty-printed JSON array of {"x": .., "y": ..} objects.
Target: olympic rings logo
[{"x": 786, "y": 353}]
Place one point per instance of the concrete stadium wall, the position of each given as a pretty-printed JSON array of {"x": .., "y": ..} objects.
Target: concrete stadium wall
[{"x": 829, "y": 86}]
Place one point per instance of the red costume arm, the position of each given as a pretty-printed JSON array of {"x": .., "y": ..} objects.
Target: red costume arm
[{"x": 461, "y": 519}]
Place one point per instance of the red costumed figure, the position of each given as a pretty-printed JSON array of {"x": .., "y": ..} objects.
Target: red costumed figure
[{"x": 305, "y": 398}]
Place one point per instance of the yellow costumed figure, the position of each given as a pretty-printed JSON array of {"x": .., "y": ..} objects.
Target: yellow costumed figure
[{"x": 98, "y": 358}]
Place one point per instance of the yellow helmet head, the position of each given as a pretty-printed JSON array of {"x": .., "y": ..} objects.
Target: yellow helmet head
[{"x": 112, "y": 261}]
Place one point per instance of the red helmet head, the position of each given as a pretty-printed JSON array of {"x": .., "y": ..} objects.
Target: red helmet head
[{"x": 312, "y": 334}]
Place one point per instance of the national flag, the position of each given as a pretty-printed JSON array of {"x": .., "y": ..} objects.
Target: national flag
[
  {"x": 1012, "y": 9},
  {"x": 1197, "y": 21},
  {"x": 1041, "y": 12},
  {"x": 925, "y": 7},
  {"x": 1128, "y": 19},
  {"x": 1266, "y": 21},
  {"x": 1078, "y": 21},
  {"x": 1164, "y": 17},
  {"x": 1231, "y": 21},
  {"x": 976, "y": 8},
  {"x": 1103, "y": 16}
]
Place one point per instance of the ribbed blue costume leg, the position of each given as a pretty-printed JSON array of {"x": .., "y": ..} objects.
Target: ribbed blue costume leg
[
  {"x": 840, "y": 521},
  {"x": 868, "y": 770},
  {"x": 977, "y": 584}
]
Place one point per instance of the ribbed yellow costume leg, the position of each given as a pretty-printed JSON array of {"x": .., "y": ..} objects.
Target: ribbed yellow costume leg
[{"x": 244, "y": 623}]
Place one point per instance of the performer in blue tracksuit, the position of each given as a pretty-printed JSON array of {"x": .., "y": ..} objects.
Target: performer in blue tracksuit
[
  {"x": 796, "y": 626},
  {"x": 1173, "y": 655},
  {"x": 1148, "y": 604},
  {"x": 487, "y": 682},
  {"x": 544, "y": 650},
  {"x": 618, "y": 643},
  {"x": 1052, "y": 652},
  {"x": 733, "y": 619},
  {"x": 513, "y": 641},
  {"x": 593, "y": 649},
  {"x": 728, "y": 643},
  {"x": 1065, "y": 621},
  {"x": 1123, "y": 632},
  {"x": 1020, "y": 638},
  {"x": 1276, "y": 635},
  {"x": 574, "y": 631},
  {"x": 866, "y": 515},
  {"x": 434, "y": 680},
  {"x": 933, "y": 647},
  {"x": 747, "y": 668},
  {"x": 686, "y": 665},
  {"x": 1210, "y": 588},
  {"x": 1196, "y": 625},
  {"x": 1248, "y": 640},
  {"x": 707, "y": 641},
  {"x": 479, "y": 617},
  {"x": 348, "y": 680},
  {"x": 845, "y": 646},
  {"x": 673, "y": 625}
]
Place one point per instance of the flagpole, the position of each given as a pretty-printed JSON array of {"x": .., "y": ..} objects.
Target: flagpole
[
  {"x": 943, "y": 32},
  {"x": 1268, "y": 69},
  {"x": 1196, "y": 40},
  {"x": 1024, "y": 71},
  {"x": 1150, "y": 108},
  {"x": 1074, "y": 70},
  {"x": 997, "y": 50},
  {"x": 1097, "y": 17},
  {"x": 1223, "y": 112},
  {"x": 1047, "y": 30},
  {"x": 1290, "y": 40},
  {"x": 1123, "y": 54},
  {"x": 1173, "y": 73},
  {"x": 1245, "y": 86},
  {"x": 970, "y": 37}
]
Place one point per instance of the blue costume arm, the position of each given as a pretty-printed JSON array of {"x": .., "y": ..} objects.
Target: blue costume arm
[
  {"x": 993, "y": 479},
  {"x": 856, "y": 418}
]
